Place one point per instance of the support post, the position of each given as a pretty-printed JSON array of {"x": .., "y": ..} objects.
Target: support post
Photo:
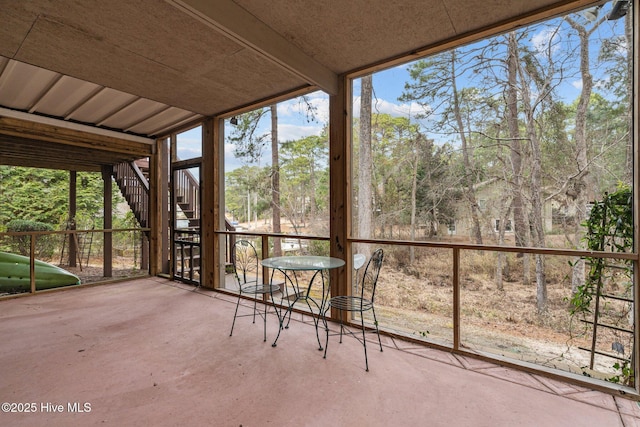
[
  {"x": 107, "y": 257},
  {"x": 208, "y": 208},
  {"x": 73, "y": 247},
  {"x": 158, "y": 212},
  {"x": 339, "y": 185}
]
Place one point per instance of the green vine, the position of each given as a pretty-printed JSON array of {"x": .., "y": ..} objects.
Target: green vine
[
  {"x": 626, "y": 373},
  {"x": 609, "y": 228}
]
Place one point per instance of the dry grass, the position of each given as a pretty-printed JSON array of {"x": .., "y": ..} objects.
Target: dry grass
[{"x": 417, "y": 299}]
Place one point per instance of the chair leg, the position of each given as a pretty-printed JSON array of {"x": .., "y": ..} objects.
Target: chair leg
[
  {"x": 234, "y": 316},
  {"x": 375, "y": 322},
  {"x": 364, "y": 342},
  {"x": 265, "y": 321},
  {"x": 255, "y": 305},
  {"x": 327, "y": 329}
]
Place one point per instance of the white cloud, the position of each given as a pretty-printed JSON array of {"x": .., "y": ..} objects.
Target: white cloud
[
  {"x": 383, "y": 106},
  {"x": 541, "y": 40},
  {"x": 188, "y": 144},
  {"x": 230, "y": 161},
  {"x": 298, "y": 109},
  {"x": 290, "y": 132},
  {"x": 295, "y": 121}
]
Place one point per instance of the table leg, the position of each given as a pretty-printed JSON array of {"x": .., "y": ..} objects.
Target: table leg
[{"x": 285, "y": 295}]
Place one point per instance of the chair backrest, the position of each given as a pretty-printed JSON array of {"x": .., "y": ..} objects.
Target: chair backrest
[
  {"x": 245, "y": 262},
  {"x": 369, "y": 279}
]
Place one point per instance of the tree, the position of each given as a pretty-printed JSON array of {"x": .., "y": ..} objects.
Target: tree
[
  {"x": 241, "y": 182},
  {"x": 301, "y": 167},
  {"x": 521, "y": 223},
  {"x": 43, "y": 195},
  {"x": 250, "y": 141},
  {"x": 580, "y": 180},
  {"x": 365, "y": 164},
  {"x": 275, "y": 181},
  {"x": 618, "y": 53},
  {"x": 435, "y": 87}
]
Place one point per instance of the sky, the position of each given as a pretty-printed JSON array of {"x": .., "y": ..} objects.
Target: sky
[{"x": 293, "y": 123}]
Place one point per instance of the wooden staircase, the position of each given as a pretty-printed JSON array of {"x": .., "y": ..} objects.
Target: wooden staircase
[
  {"x": 186, "y": 233},
  {"x": 133, "y": 182},
  {"x": 187, "y": 196}
]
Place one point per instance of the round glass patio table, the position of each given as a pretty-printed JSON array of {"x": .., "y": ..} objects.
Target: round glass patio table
[{"x": 289, "y": 266}]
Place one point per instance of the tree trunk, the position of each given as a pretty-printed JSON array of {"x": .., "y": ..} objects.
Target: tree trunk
[
  {"x": 520, "y": 226},
  {"x": 628, "y": 32},
  {"x": 275, "y": 181},
  {"x": 580, "y": 184},
  {"x": 537, "y": 217},
  {"x": 536, "y": 196},
  {"x": 365, "y": 163},
  {"x": 414, "y": 191},
  {"x": 469, "y": 190}
]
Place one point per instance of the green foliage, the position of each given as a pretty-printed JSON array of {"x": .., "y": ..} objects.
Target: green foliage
[
  {"x": 319, "y": 247},
  {"x": 43, "y": 195},
  {"x": 303, "y": 172},
  {"x": 625, "y": 375},
  {"x": 244, "y": 185},
  {"x": 33, "y": 194},
  {"x": 44, "y": 245},
  {"x": 18, "y": 225},
  {"x": 609, "y": 228},
  {"x": 247, "y": 138}
]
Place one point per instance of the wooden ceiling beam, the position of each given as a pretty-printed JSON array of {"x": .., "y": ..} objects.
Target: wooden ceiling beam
[
  {"x": 20, "y": 151},
  {"x": 49, "y": 164},
  {"x": 24, "y": 129}
]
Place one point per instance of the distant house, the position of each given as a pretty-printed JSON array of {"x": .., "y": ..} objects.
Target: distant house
[{"x": 494, "y": 199}]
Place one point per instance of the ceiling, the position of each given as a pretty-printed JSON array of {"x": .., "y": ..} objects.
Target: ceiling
[{"x": 147, "y": 67}]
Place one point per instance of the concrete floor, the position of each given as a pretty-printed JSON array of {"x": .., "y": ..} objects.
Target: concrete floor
[{"x": 151, "y": 352}]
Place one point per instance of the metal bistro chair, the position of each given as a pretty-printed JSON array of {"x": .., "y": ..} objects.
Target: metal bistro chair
[
  {"x": 245, "y": 266},
  {"x": 361, "y": 302}
]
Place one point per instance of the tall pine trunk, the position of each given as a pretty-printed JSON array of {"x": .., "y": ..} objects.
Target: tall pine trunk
[
  {"x": 469, "y": 190},
  {"x": 365, "y": 164},
  {"x": 275, "y": 181},
  {"x": 520, "y": 226}
]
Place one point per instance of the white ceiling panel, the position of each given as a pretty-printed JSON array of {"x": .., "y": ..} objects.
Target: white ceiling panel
[
  {"x": 22, "y": 85},
  {"x": 171, "y": 117},
  {"x": 31, "y": 89},
  {"x": 64, "y": 96},
  {"x": 101, "y": 105},
  {"x": 137, "y": 111}
]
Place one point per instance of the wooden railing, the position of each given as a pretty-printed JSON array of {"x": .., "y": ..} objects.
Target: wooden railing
[
  {"x": 33, "y": 235},
  {"x": 456, "y": 319}
]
